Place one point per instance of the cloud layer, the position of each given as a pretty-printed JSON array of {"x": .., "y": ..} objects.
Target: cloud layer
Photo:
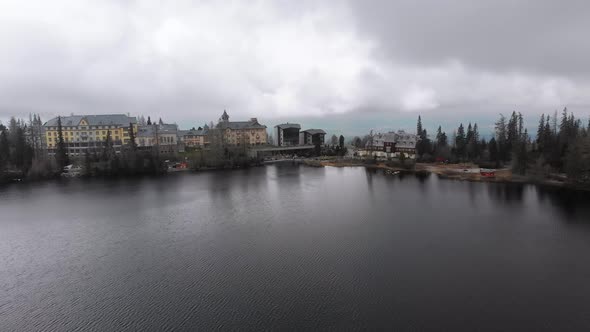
[{"x": 189, "y": 60}]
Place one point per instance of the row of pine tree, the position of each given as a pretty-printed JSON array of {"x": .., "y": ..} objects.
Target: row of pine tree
[
  {"x": 23, "y": 154},
  {"x": 560, "y": 146}
]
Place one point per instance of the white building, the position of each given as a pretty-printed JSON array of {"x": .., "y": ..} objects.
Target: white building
[
  {"x": 161, "y": 135},
  {"x": 391, "y": 144}
]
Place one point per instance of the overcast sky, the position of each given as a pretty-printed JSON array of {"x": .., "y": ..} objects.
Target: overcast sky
[{"x": 345, "y": 65}]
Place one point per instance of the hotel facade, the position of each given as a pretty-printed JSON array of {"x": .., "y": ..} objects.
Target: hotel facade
[
  {"x": 235, "y": 132},
  {"x": 83, "y": 133}
]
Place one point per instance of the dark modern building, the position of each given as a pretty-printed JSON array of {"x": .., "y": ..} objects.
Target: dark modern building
[
  {"x": 286, "y": 134},
  {"x": 312, "y": 137}
]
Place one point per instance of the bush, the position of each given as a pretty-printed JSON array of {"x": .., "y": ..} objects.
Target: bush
[{"x": 42, "y": 169}]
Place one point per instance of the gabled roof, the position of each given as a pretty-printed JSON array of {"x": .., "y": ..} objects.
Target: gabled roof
[
  {"x": 401, "y": 139},
  {"x": 167, "y": 128},
  {"x": 288, "y": 126},
  {"x": 94, "y": 120},
  {"x": 150, "y": 130},
  {"x": 240, "y": 125},
  {"x": 146, "y": 131},
  {"x": 314, "y": 131},
  {"x": 194, "y": 132}
]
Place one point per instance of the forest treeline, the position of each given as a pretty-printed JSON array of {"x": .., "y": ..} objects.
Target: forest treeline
[
  {"x": 24, "y": 156},
  {"x": 561, "y": 145}
]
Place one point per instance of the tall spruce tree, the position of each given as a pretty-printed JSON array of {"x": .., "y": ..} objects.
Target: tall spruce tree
[
  {"x": 444, "y": 141},
  {"x": 564, "y": 124},
  {"x": 419, "y": 126},
  {"x": 520, "y": 127},
  {"x": 513, "y": 135},
  {"x": 19, "y": 148},
  {"x": 541, "y": 134},
  {"x": 520, "y": 159},
  {"x": 460, "y": 141},
  {"x": 547, "y": 137},
  {"x": 554, "y": 123},
  {"x": 475, "y": 141},
  {"x": 501, "y": 138},
  {"x": 441, "y": 137},
  {"x": 420, "y": 145},
  {"x": 108, "y": 152},
  {"x": 4, "y": 147},
  {"x": 424, "y": 143},
  {"x": 493, "y": 149},
  {"x": 132, "y": 143},
  {"x": 61, "y": 155},
  {"x": 469, "y": 132}
]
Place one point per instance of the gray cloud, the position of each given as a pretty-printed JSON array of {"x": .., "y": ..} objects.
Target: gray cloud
[
  {"x": 538, "y": 36},
  {"x": 187, "y": 61}
]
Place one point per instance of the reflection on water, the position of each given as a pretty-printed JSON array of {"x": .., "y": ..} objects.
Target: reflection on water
[
  {"x": 573, "y": 205},
  {"x": 287, "y": 246},
  {"x": 506, "y": 193}
]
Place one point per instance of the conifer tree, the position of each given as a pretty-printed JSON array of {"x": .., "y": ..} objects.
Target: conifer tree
[
  {"x": 441, "y": 137},
  {"x": 108, "y": 150},
  {"x": 132, "y": 143},
  {"x": 4, "y": 147},
  {"x": 501, "y": 138},
  {"x": 61, "y": 155},
  {"x": 460, "y": 141},
  {"x": 541, "y": 134},
  {"x": 419, "y": 126},
  {"x": 493, "y": 148}
]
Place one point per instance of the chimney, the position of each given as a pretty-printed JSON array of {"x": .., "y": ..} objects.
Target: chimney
[{"x": 253, "y": 120}]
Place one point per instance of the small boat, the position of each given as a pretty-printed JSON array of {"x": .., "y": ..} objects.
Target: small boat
[
  {"x": 177, "y": 167},
  {"x": 487, "y": 173},
  {"x": 390, "y": 172}
]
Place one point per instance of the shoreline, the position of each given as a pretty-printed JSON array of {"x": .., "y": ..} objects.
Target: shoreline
[
  {"x": 463, "y": 172},
  {"x": 454, "y": 172}
]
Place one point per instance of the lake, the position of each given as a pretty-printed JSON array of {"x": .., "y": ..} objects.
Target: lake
[{"x": 293, "y": 247}]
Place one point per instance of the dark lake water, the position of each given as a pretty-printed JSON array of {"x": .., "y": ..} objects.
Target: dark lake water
[{"x": 291, "y": 247}]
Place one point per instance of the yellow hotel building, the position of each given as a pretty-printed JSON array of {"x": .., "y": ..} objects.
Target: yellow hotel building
[
  {"x": 250, "y": 132},
  {"x": 89, "y": 132}
]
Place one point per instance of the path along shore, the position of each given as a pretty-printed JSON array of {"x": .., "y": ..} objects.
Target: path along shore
[{"x": 462, "y": 171}]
